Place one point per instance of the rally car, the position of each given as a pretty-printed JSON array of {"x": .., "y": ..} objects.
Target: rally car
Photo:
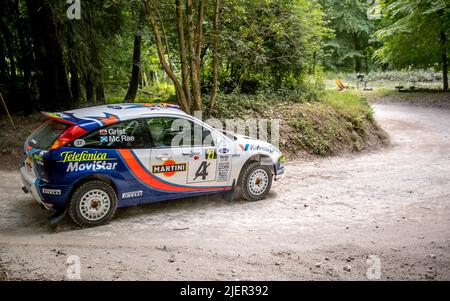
[{"x": 90, "y": 161}]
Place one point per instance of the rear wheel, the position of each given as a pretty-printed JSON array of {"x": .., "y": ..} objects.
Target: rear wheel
[
  {"x": 255, "y": 181},
  {"x": 93, "y": 203}
]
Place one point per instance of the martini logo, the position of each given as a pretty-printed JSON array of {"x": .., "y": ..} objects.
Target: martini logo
[{"x": 169, "y": 168}]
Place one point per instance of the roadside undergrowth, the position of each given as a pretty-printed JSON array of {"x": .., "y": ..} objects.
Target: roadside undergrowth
[{"x": 334, "y": 123}]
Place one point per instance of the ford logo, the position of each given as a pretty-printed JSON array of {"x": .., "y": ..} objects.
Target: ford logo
[{"x": 223, "y": 150}]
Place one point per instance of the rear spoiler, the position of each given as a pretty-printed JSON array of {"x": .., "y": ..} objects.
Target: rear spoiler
[{"x": 59, "y": 117}]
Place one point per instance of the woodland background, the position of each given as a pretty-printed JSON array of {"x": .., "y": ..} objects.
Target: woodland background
[{"x": 204, "y": 54}]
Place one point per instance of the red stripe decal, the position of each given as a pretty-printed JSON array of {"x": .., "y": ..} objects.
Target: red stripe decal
[{"x": 144, "y": 176}]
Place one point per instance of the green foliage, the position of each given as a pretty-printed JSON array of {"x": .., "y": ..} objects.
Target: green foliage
[
  {"x": 412, "y": 31},
  {"x": 351, "y": 45},
  {"x": 269, "y": 42}
]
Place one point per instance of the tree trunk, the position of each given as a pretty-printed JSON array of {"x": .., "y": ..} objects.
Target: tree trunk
[
  {"x": 3, "y": 72},
  {"x": 357, "y": 45},
  {"x": 75, "y": 85},
  {"x": 89, "y": 85},
  {"x": 135, "y": 70},
  {"x": 194, "y": 50},
  {"x": 444, "y": 61},
  {"x": 9, "y": 51},
  {"x": 100, "y": 91},
  {"x": 215, "y": 58},
  {"x": 178, "y": 88},
  {"x": 182, "y": 50},
  {"x": 53, "y": 85}
]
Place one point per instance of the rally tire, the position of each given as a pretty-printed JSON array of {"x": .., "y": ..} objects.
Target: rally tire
[
  {"x": 248, "y": 189},
  {"x": 93, "y": 204}
]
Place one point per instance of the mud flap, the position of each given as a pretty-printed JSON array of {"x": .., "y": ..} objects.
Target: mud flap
[
  {"x": 58, "y": 216},
  {"x": 231, "y": 195}
]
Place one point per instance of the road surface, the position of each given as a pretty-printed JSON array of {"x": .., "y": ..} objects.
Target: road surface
[{"x": 383, "y": 214}]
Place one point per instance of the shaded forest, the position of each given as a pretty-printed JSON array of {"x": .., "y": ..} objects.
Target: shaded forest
[{"x": 57, "y": 54}]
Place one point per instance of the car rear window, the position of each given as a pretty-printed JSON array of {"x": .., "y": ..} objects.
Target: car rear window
[{"x": 44, "y": 136}]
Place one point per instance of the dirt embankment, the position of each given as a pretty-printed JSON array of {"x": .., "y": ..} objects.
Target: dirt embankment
[{"x": 12, "y": 139}]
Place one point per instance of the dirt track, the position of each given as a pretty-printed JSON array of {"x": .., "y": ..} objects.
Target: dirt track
[{"x": 323, "y": 216}]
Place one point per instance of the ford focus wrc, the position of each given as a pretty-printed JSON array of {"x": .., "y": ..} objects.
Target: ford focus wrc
[{"x": 90, "y": 161}]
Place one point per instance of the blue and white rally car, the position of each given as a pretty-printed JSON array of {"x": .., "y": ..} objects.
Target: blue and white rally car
[{"x": 88, "y": 162}]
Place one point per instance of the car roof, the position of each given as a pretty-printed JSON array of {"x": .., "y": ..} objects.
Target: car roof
[{"x": 91, "y": 118}]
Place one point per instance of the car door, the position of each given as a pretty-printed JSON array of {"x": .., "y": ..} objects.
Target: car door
[{"x": 182, "y": 153}]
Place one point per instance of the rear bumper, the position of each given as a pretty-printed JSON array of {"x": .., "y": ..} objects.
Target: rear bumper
[{"x": 31, "y": 185}]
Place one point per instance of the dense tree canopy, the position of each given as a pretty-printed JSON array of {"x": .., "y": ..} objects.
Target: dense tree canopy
[
  {"x": 415, "y": 34},
  {"x": 351, "y": 48},
  {"x": 127, "y": 50}
]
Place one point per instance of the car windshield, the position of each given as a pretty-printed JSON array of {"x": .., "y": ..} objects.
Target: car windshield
[{"x": 44, "y": 136}]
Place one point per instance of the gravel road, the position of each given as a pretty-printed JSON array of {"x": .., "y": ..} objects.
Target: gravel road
[{"x": 381, "y": 214}]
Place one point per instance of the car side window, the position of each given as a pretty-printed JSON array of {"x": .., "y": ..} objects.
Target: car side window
[
  {"x": 127, "y": 134},
  {"x": 177, "y": 132}
]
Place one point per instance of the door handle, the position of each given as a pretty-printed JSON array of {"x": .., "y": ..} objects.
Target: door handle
[
  {"x": 190, "y": 153},
  {"x": 163, "y": 156}
]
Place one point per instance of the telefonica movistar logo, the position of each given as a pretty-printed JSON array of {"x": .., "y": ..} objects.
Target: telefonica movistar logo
[{"x": 72, "y": 156}]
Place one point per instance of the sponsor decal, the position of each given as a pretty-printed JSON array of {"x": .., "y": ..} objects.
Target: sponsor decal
[
  {"x": 51, "y": 191},
  {"x": 115, "y": 135},
  {"x": 75, "y": 156},
  {"x": 224, "y": 158},
  {"x": 224, "y": 150},
  {"x": 223, "y": 171},
  {"x": 91, "y": 166},
  {"x": 252, "y": 147},
  {"x": 210, "y": 154},
  {"x": 39, "y": 158},
  {"x": 86, "y": 161},
  {"x": 196, "y": 157},
  {"x": 132, "y": 194},
  {"x": 79, "y": 143},
  {"x": 169, "y": 168}
]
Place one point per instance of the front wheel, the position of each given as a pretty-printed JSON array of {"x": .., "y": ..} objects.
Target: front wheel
[
  {"x": 93, "y": 203},
  {"x": 255, "y": 181}
]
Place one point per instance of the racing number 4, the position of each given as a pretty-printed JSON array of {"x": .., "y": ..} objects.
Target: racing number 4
[{"x": 202, "y": 170}]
